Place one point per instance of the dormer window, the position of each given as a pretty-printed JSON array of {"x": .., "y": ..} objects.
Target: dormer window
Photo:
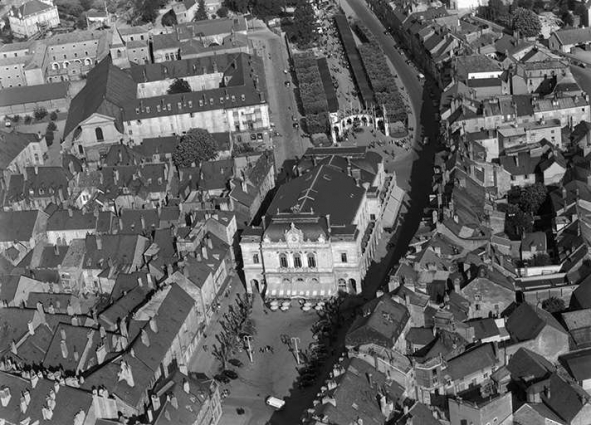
[
  {"x": 233, "y": 98},
  {"x": 179, "y": 105},
  {"x": 211, "y": 100},
  {"x": 222, "y": 99},
  {"x": 147, "y": 109},
  {"x": 157, "y": 108},
  {"x": 190, "y": 103},
  {"x": 137, "y": 110},
  {"x": 200, "y": 102},
  {"x": 243, "y": 97},
  {"x": 169, "y": 107}
]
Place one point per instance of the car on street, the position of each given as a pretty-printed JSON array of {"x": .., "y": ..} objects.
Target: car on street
[
  {"x": 230, "y": 374},
  {"x": 253, "y": 136},
  {"x": 259, "y": 136},
  {"x": 285, "y": 71},
  {"x": 296, "y": 125},
  {"x": 287, "y": 84},
  {"x": 221, "y": 378},
  {"x": 275, "y": 402}
]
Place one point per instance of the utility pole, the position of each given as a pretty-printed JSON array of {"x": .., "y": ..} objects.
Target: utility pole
[
  {"x": 295, "y": 340},
  {"x": 248, "y": 340}
]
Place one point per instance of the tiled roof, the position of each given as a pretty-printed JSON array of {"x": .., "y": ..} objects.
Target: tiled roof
[
  {"x": 521, "y": 164},
  {"x": 578, "y": 364}
]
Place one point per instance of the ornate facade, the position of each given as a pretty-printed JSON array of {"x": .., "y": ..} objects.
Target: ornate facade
[{"x": 323, "y": 231}]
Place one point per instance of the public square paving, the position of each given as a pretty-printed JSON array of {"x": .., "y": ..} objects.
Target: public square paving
[{"x": 270, "y": 373}]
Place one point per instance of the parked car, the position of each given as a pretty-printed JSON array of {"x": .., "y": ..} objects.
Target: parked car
[
  {"x": 260, "y": 136},
  {"x": 221, "y": 378},
  {"x": 230, "y": 374},
  {"x": 253, "y": 136},
  {"x": 287, "y": 84}
]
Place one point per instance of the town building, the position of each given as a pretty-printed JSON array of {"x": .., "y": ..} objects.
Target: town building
[
  {"x": 33, "y": 17},
  {"x": 320, "y": 231}
]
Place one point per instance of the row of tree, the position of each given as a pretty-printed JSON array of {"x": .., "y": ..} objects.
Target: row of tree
[
  {"x": 382, "y": 81},
  {"x": 312, "y": 92},
  {"x": 261, "y": 8}
]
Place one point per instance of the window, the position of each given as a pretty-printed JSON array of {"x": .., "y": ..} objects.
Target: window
[
  {"x": 343, "y": 257},
  {"x": 297, "y": 261},
  {"x": 283, "y": 261},
  {"x": 99, "y": 134},
  {"x": 255, "y": 259},
  {"x": 477, "y": 307},
  {"x": 372, "y": 217},
  {"x": 311, "y": 261}
]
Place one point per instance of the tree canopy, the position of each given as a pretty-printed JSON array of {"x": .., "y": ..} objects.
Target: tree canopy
[
  {"x": 553, "y": 305},
  {"x": 179, "y": 86},
  {"x": 303, "y": 30},
  {"x": 240, "y": 6},
  {"x": 201, "y": 13},
  {"x": 169, "y": 18},
  {"x": 146, "y": 10},
  {"x": 526, "y": 22},
  {"x": 266, "y": 8},
  {"x": 194, "y": 147},
  {"x": 222, "y": 12}
]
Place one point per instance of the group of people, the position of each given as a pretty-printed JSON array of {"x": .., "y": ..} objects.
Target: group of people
[{"x": 266, "y": 349}]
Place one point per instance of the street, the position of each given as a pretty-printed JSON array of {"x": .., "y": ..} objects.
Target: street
[
  {"x": 289, "y": 144},
  {"x": 406, "y": 74},
  {"x": 414, "y": 172}
]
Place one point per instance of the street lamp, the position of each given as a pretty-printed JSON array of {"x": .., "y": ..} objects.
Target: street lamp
[
  {"x": 248, "y": 340},
  {"x": 295, "y": 340}
]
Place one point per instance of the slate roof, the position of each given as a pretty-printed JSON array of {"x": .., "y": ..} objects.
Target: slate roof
[
  {"x": 32, "y": 7},
  {"x": 69, "y": 401},
  {"x": 420, "y": 336},
  {"x": 107, "y": 89},
  {"x": 479, "y": 358},
  {"x": 354, "y": 398},
  {"x": 17, "y": 225},
  {"x": 32, "y": 94},
  {"x": 578, "y": 363},
  {"x": 521, "y": 164},
  {"x": 527, "y": 321},
  {"x": 573, "y": 36},
  {"x": 186, "y": 67},
  {"x": 535, "y": 414},
  {"x": 534, "y": 239},
  {"x": 525, "y": 364},
  {"x": 324, "y": 190},
  {"x": 566, "y": 399},
  {"x": 46, "y": 181},
  {"x": 382, "y": 323},
  {"x": 78, "y": 220},
  {"x": 13, "y": 143}
]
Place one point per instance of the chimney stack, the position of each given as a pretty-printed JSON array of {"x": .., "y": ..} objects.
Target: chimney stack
[
  {"x": 145, "y": 338},
  {"x": 186, "y": 386},
  {"x": 204, "y": 252}
]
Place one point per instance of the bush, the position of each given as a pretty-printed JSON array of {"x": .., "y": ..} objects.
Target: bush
[
  {"x": 16, "y": 119},
  {"x": 51, "y": 126},
  {"x": 49, "y": 137},
  {"x": 53, "y": 116},
  {"x": 28, "y": 119},
  {"x": 40, "y": 113},
  {"x": 222, "y": 12}
]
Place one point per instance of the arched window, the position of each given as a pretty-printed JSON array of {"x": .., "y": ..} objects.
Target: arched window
[
  {"x": 255, "y": 259},
  {"x": 311, "y": 261},
  {"x": 283, "y": 260},
  {"x": 99, "y": 134},
  {"x": 297, "y": 261},
  {"x": 66, "y": 64}
]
